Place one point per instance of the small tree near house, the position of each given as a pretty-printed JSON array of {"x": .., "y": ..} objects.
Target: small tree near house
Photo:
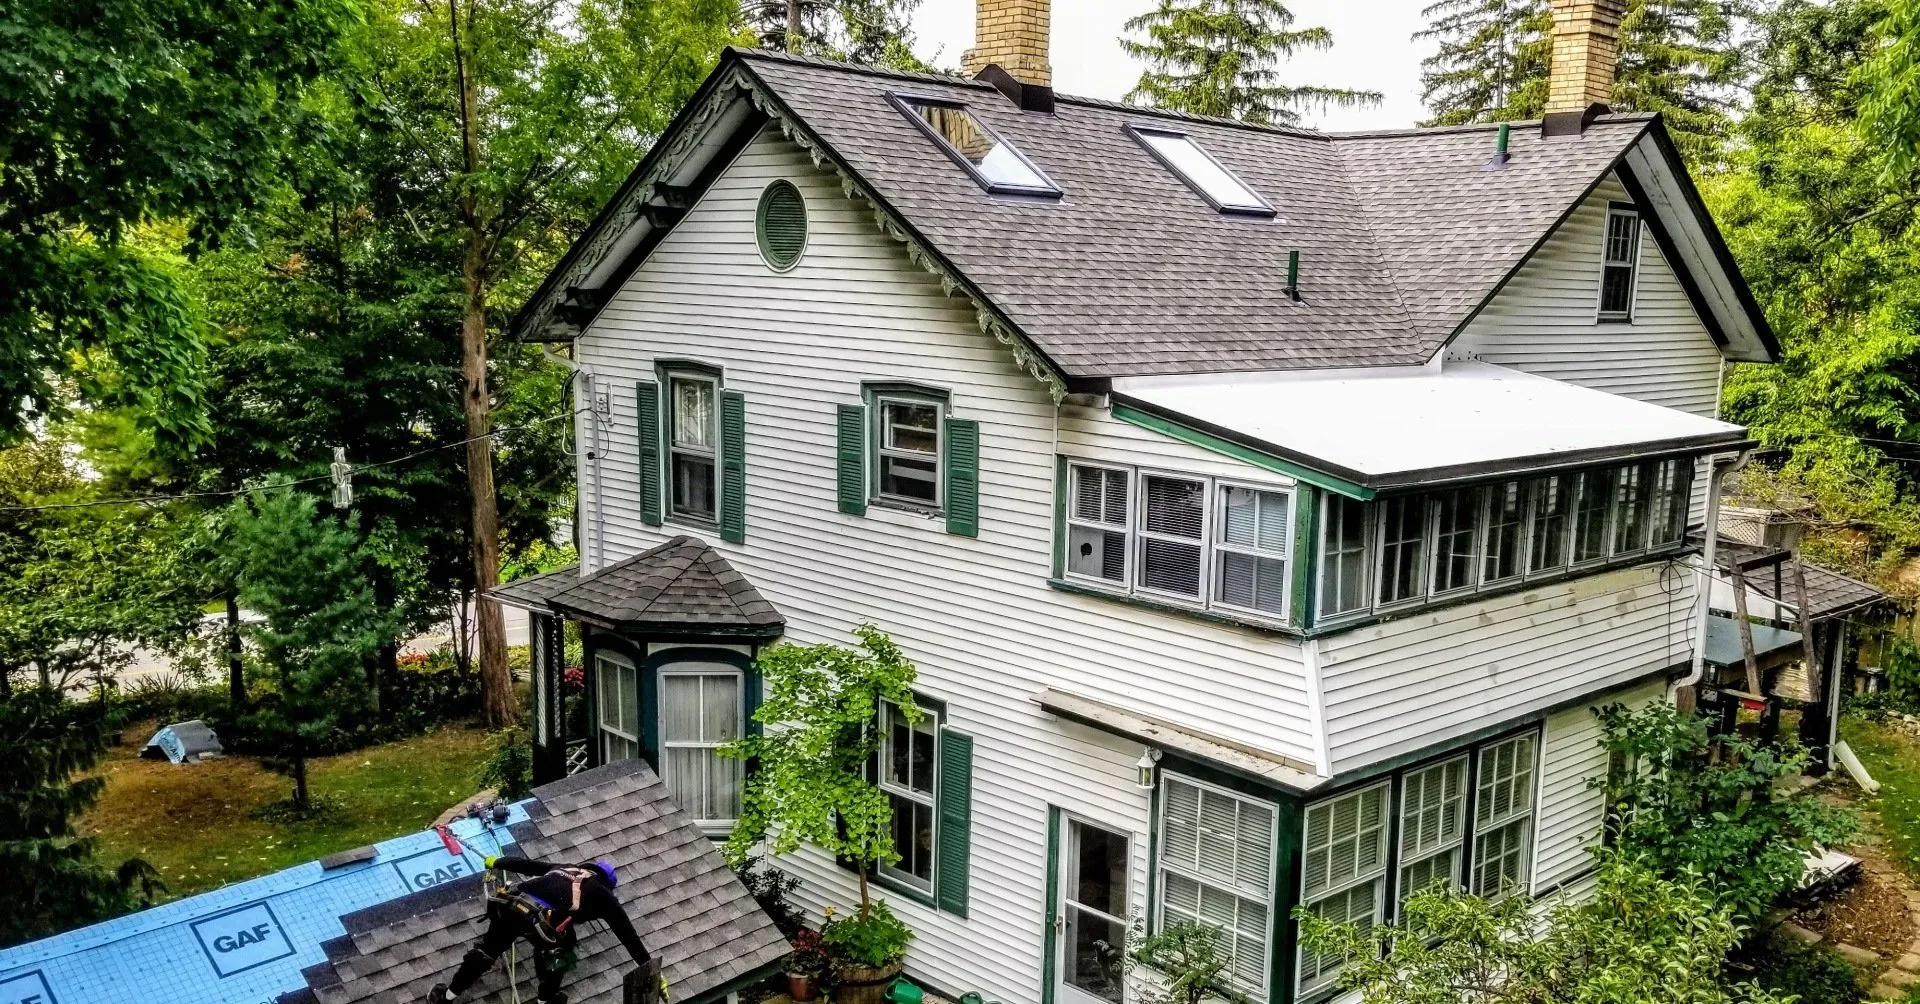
[
  {"x": 810, "y": 784},
  {"x": 319, "y": 627}
]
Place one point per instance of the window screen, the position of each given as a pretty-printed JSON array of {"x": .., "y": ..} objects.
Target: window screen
[
  {"x": 1552, "y": 502},
  {"x": 1098, "y": 508},
  {"x": 1216, "y": 868},
  {"x": 1622, "y": 261},
  {"x": 1630, "y": 509},
  {"x": 1173, "y": 534},
  {"x": 1345, "y": 866},
  {"x": 1253, "y": 547},
  {"x": 1592, "y": 508},
  {"x": 908, "y": 755},
  {"x": 1671, "y": 500},
  {"x": 994, "y": 162},
  {"x": 909, "y": 451},
  {"x": 1202, "y": 173},
  {"x": 693, "y": 441}
]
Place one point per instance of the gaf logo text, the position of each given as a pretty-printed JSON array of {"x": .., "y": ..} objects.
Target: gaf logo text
[
  {"x": 26, "y": 988},
  {"x": 242, "y": 938},
  {"x": 430, "y": 868}
]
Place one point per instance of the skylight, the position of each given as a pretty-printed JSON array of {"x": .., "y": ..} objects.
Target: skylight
[
  {"x": 1201, "y": 172},
  {"x": 992, "y": 161}
]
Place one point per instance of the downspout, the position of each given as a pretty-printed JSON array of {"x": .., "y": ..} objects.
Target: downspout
[
  {"x": 1704, "y": 601},
  {"x": 592, "y": 530}
]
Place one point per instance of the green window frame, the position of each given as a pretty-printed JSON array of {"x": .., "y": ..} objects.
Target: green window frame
[
  {"x": 1214, "y": 864},
  {"x": 930, "y": 795},
  {"x": 781, "y": 225}
]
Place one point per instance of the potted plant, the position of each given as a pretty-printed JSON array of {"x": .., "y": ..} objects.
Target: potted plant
[
  {"x": 806, "y": 964},
  {"x": 867, "y": 951}
]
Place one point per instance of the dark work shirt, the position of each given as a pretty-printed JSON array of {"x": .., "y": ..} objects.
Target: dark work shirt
[{"x": 597, "y": 901}]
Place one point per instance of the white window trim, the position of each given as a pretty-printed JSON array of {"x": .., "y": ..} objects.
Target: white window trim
[
  {"x": 671, "y": 514},
  {"x": 1478, "y": 558},
  {"x": 1488, "y": 499},
  {"x": 881, "y": 450},
  {"x": 1367, "y": 569},
  {"x": 1266, "y": 896},
  {"x": 1633, "y": 285},
  {"x": 1531, "y": 815},
  {"x": 1380, "y": 557},
  {"x": 1569, "y": 489},
  {"x": 1401, "y": 859},
  {"x": 1286, "y": 556},
  {"x": 1136, "y": 562},
  {"x": 1383, "y": 879},
  {"x": 620, "y": 662},
  {"x": 1125, "y": 529},
  {"x": 931, "y": 799},
  {"x": 740, "y": 725}
]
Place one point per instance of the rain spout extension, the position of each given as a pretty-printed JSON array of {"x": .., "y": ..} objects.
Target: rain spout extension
[{"x": 1704, "y": 601}]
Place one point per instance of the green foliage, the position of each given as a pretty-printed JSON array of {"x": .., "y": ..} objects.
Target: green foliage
[
  {"x": 114, "y": 114},
  {"x": 871, "y": 32},
  {"x": 1682, "y": 812},
  {"x": 319, "y": 627},
  {"x": 1640, "y": 937},
  {"x": 1191, "y": 958},
  {"x": 1221, "y": 57},
  {"x": 1891, "y": 113},
  {"x": 872, "y": 937},
  {"x": 1814, "y": 974},
  {"x": 770, "y": 887},
  {"x": 819, "y": 705},
  {"x": 1492, "y": 61},
  {"x": 50, "y": 876},
  {"x": 508, "y": 769}
]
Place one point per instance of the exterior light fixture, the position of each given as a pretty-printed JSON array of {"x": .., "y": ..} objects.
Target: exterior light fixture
[{"x": 1147, "y": 767}]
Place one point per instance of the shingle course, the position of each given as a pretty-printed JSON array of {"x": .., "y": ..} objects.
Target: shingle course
[{"x": 681, "y": 586}]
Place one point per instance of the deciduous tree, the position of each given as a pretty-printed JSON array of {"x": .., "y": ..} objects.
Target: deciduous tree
[{"x": 1222, "y": 58}]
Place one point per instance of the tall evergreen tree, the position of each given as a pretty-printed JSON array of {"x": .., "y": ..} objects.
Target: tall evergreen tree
[
  {"x": 1492, "y": 61},
  {"x": 1221, "y": 58},
  {"x": 873, "y": 32}
]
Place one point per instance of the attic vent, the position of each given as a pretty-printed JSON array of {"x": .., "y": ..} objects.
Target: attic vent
[{"x": 782, "y": 225}]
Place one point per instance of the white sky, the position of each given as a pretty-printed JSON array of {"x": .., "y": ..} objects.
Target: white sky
[{"x": 1372, "y": 49}]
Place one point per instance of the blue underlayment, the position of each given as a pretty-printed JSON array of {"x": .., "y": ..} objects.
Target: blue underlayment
[{"x": 240, "y": 944}]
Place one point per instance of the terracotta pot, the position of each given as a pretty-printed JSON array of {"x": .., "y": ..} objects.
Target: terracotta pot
[
  {"x": 864, "y": 984},
  {"x": 800, "y": 987}
]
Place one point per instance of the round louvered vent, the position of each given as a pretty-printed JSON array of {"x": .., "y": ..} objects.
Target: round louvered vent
[{"x": 782, "y": 224}]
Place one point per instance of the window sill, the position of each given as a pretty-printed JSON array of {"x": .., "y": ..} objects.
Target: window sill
[
  {"x": 1229, "y": 618},
  {"x": 1613, "y": 319},
  {"x": 893, "y": 885},
  {"x": 695, "y": 523},
  {"x": 892, "y": 505}
]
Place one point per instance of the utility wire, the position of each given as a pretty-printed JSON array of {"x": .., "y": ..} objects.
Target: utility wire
[{"x": 357, "y": 468}]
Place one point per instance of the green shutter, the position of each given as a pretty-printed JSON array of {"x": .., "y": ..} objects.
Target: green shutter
[
  {"x": 646, "y": 396},
  {"x": 954, "y": 868},
  {"x": 1047, "y": 955},
  {"x": 733, "y": 467},
  {"x": 963, "y": 477},
  {"x": 852, "y": 467}
]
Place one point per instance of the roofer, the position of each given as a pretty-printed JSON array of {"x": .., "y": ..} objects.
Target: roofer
[{"x": 547, "y": 910}]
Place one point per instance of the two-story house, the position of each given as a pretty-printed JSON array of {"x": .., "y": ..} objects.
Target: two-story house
[{"x": 1264, "y": 509}]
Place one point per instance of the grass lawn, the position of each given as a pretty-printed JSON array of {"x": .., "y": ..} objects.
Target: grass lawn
[
  {"x": 1892, "y": 756},
  {"x": 190, "y": 821}
]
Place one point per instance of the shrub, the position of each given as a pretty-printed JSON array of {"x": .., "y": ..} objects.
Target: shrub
[
  {"x": 508, "y": 768},
  {"x": 167, "y": 698},
  {"x": 1190, "y": 956},
  {"x": 770, "y": 888},
  {"x": 874, "y": 937},
  {"x": 1813, "y": 973}
]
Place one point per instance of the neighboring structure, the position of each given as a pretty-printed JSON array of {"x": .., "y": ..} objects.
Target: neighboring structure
[
  {"x": 183, "y": 742},
  {"x": 244, "y": 943},
  {"x": 695, "y": 917},
  {"x": 1265, "y": 510}
]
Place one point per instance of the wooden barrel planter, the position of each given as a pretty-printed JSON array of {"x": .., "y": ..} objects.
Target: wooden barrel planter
[{"x": 864, "y": 984}]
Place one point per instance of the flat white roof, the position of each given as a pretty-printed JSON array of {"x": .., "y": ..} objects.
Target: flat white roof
[{"x": 1388, "y": 427}]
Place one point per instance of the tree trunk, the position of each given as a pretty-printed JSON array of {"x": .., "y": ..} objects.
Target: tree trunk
[
  {"x": 300, "y": 800},
  {"x": 236, "y": 669},
  {"x": 496, "y": 687},
  {"x": 793, "y": 25},
  {"x": 388, "y": 682}
]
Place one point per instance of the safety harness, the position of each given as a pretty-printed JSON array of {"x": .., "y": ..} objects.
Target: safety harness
[{"x": 547, "y": 923}]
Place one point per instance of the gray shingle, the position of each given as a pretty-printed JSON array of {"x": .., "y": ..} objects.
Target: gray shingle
[
  {"x": 620, "y": 812},
  {"x": 681, "y": 587}
]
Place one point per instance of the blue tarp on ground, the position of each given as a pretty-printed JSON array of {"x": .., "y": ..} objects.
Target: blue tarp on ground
[{"x": 241, "y": 944}]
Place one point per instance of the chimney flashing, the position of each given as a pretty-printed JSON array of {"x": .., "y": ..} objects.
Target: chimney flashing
[
  {"x": 1571, "y": 123},
  {"x": 1029, "y": 97}
]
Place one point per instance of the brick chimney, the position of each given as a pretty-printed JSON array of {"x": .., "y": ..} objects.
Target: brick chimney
[
  {"x": 1586, "y": 50},
  {"x": 1013, "y": 34}
]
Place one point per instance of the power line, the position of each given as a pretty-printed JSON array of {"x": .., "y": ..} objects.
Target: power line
[{"x": 288, "y": 484}]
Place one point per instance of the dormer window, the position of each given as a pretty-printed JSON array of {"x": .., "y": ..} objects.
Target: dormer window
[
  {"x": 1206, "y": 176},
  {"x": 1619, "y": 271},
  {"x": 992, "y": 161}
]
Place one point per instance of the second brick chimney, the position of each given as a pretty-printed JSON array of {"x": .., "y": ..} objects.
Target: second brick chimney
[
  {"x": 1586, "y": 53},
  {"x": 1015, "y": 35}
]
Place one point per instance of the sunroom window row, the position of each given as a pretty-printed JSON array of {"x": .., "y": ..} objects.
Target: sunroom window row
[{"x": 1408, "y": 548}]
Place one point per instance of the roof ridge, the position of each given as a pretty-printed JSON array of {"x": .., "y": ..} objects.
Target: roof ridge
[{"x": 1469, "y": 127}]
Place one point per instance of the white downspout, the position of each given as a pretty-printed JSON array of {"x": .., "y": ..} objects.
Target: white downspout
[
  {"x": 1703, "y": 602},
  {"x": 592, "y": 530}
]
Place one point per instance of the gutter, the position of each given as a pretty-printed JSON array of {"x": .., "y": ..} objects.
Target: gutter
[
  {"x": 1703, "y": 602},
  {"x": 591, "y": 532}
]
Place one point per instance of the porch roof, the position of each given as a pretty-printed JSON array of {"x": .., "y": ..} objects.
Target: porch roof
[
  {"x": 1395, "y": 427},
  {"x": 531, "y": 592},
  {"x": 1769, "y": 643},
  {"x": 1830, "y": 594},
  {"x": 681, "y": 588},
  {"x": 1259, "y": 765}
]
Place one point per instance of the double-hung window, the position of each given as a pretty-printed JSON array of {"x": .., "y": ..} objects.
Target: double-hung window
[
  {"x": 693, "y": 440},
  {"x": 1251, "y": 553},
  {"x": 908, "y": 760},
  {"x": 1503, "y": 818},
  {"x": 618, "y": 698},
  {"x": 1506, "y": 532},
  {"x": 1433, "y": 819},
  {"x": 1189, "y": 539},
  {"x": 1672, "y": 497},
  {"x": 1621, "y": 265},
  {"x": 1456, "y": 537},
  {"x": 1216, "y": 866},
  {"x": 1403, "y": 553},
  {"x": 1592, "y": 513},
  {"x": 907, "y": 449},
  {"x": 1345, "y": 871},
  {"x": 700, "y": 711}
]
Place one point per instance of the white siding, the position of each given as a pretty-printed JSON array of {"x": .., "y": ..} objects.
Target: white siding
[
  {"x": 1570, "y": 811},
  {"x": 976, "y": 615},
  {"x": 1544, "y": 321},
  {"x": 1093, "y": 434},
  {"x": 1403, "y": 685}
]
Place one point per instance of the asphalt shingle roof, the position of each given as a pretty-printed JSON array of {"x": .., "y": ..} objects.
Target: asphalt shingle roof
[
  {"x": 688, "y": 907},
  {"x": 535, "y": 590},
  {"x": 681, "y": 587},
  {"x": 1829, "y": 593},
  {"x": 1401, "y": 235}
]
